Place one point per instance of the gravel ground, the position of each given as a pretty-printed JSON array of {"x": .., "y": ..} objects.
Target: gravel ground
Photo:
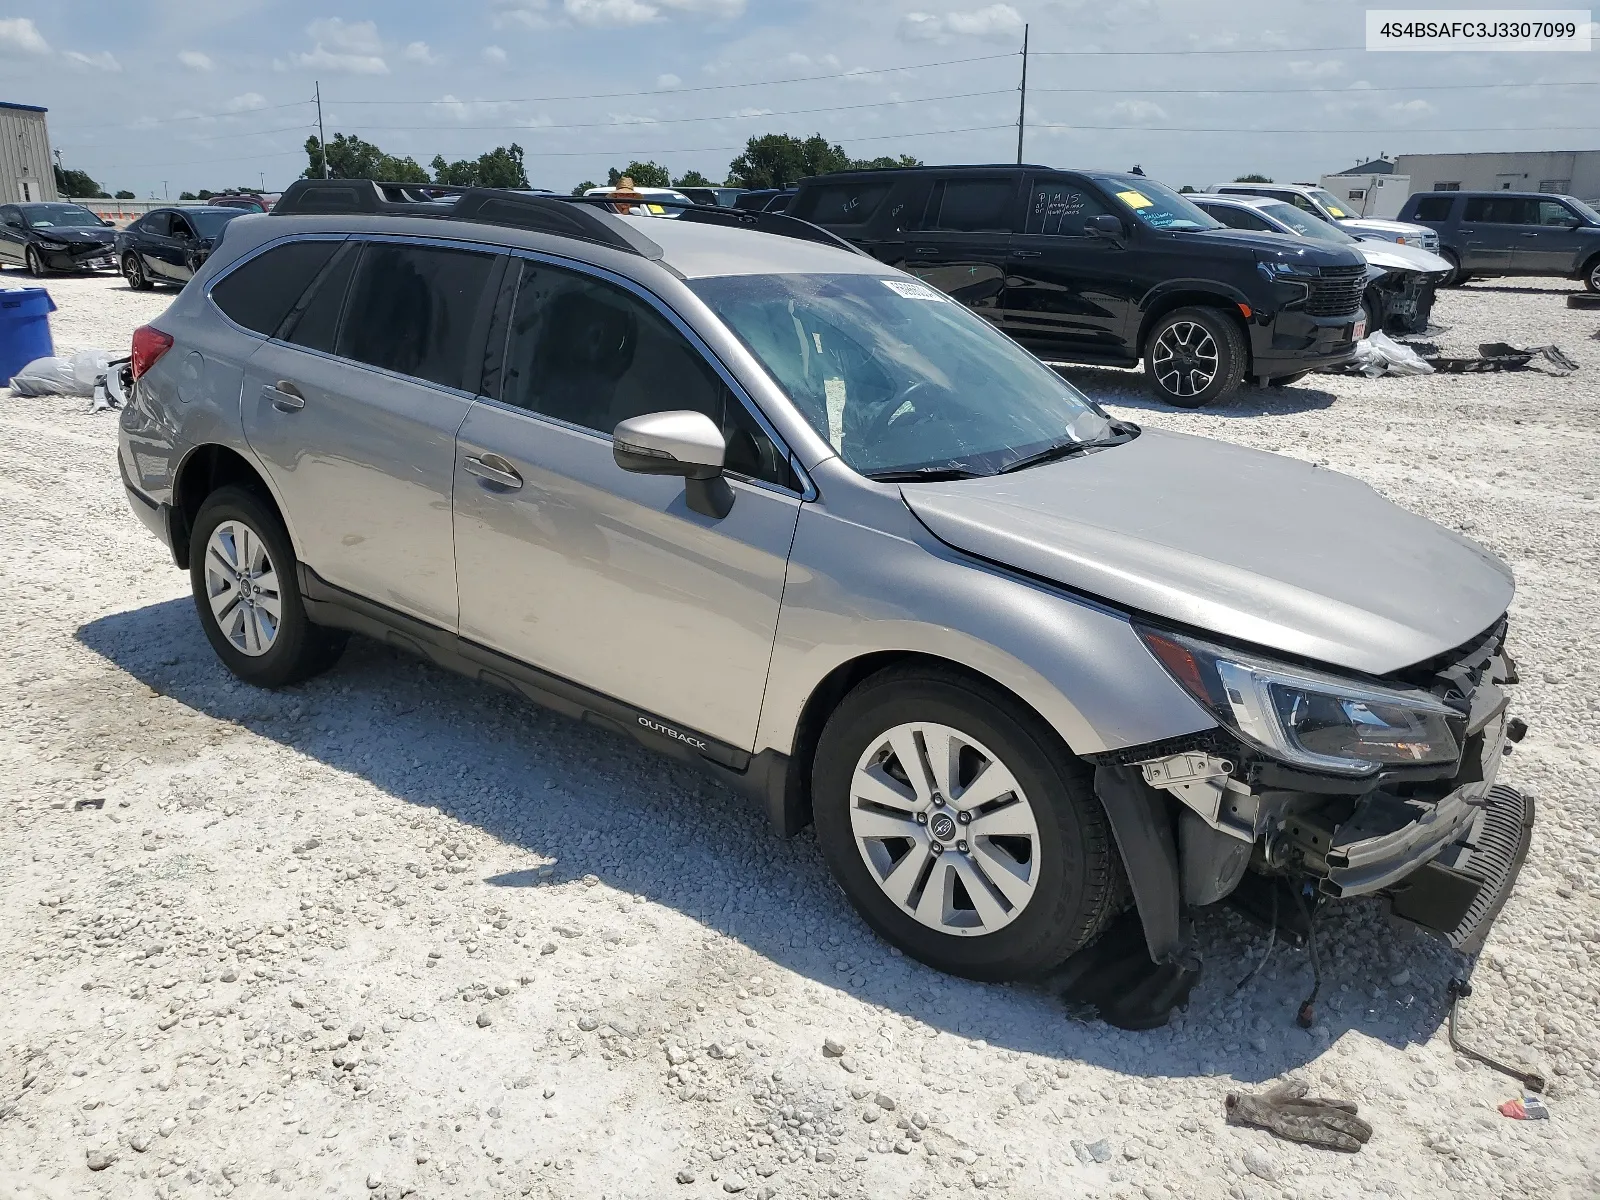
[{"x": 392, "y": 933}]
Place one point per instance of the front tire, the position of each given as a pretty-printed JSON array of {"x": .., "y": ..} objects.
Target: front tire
[
  {"x": 246, "y": 587},
  {"x": 1454, "y": 277},
  {"x": 1591, "y": 279},
  {"x": 133, "y": 272},
  {"x": 34, "y": 261},
  {"x": 960, "y": 827},
  {"x": 1194, "y": 357}
]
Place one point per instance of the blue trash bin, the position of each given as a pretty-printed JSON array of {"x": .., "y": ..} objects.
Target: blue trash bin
[{"x": 24, "y": 328}]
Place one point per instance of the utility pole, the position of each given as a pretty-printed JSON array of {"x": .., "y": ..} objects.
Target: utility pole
[
  {"x": 322, "y": 138},
  {"x": 165, "y": 195},
  {"x": 1022, "y": 105}
]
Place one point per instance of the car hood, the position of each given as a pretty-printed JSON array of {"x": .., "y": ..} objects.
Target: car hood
[
  {"x": 1247, "y": 545},
  {"x": 1274, "y": 246},
  {"x": 1384, "y": 228},
  {"x": 1392, "y": 256},
  {"x": 76, "y": 235}
]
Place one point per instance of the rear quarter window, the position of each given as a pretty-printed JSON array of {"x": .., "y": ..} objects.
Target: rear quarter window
[
  {"x": 841, "y": 203},
  {"x": 1433, "y": 208},
  {"x": 260, "y": 293}
]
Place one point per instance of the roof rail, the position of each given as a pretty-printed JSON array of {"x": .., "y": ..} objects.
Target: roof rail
[{"x": 588, "y": 218}]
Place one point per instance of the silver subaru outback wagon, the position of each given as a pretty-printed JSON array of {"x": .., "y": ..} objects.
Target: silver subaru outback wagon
[{"x": 762, "y": 503}]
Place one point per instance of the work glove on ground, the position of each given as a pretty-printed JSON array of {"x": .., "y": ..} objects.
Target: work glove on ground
[{"x": 1287, "y": 1111}]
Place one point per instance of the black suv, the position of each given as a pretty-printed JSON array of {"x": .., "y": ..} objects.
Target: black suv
[
  {"x": 1102, "y": 267},
  {"x": 1511, "y": 233}
]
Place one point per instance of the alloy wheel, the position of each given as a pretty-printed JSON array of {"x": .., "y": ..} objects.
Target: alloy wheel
[
  {"x": 242, "y": 588},
  {"x": 34, "y": 261},
  {"x": 1185, "y": 359},
  {"x": 133, "y": 271},
  {"x": 1593, "y": 282},
  {"x": 945, "y": 829}
]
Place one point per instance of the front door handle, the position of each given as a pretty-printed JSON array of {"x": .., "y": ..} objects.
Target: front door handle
[
  {"x": 1534, "y": 233},
  {"x": 1026, "y": 253},
  {"x": 284, "y": 395},
  {"x": 926, "y": 250},
  {"x": 494, "y": 469}
]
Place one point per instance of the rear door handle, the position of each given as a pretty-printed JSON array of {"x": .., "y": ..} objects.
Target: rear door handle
[
  {"x": 494, "y": 469},
  {"x": 926, "y": 250},
  {"x": 284, "y": 395},
  {"x": 1534, "y": 233},
  {"x": 1026, "y": 253}
]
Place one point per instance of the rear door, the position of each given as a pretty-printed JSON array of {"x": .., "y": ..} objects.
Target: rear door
[
  {"x": 1065, "y": 291},
  {"x": 1491, "y": 230},
  {"x": 188, "y": 250},
  {"x": 354, "y": 409},
  {"x": 603, "y": 577},
  {"x": 962, "y": 244}
]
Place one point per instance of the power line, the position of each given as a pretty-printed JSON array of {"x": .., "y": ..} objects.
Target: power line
[
  {"x": 744, "y": 116},
  {"x": 1305, "y": 132},
  {"x": 216, "y": 137},
  {"x": 1158, "y": 53},
  {"x": 1343, "y": 91},
  {"x": 136, "y": 126},
  {"x": 860, "y": 73},
  {"x": 610, "y": 152},
  {"x": 200, "y": 161}
]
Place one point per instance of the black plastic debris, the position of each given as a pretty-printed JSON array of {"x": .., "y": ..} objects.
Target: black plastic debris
[
  {"x": 1495, "y": 356},
  {"x": 1115, "y": 979}
]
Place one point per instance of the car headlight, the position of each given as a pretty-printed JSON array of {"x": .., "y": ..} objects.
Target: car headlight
[
  {"x": 44, "y": 244},
  {"x": 1278, "y": 269},
  {"x": 1306, "y": 718},
  {"x": 1409, "y": 241}
]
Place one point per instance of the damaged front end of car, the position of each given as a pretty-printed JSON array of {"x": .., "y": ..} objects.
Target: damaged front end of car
[
  {"x": 1328, "y": 787},
  {"x": 1400, "y": 301}
]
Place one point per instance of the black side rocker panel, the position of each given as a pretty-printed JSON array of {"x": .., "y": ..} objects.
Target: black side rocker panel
[{"x": 764, "y": 777}]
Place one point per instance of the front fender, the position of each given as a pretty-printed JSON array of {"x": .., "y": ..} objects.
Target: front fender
[{"x": 857, "y": 588}]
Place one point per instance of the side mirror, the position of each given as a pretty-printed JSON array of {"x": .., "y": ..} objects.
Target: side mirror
[
  {"x": 1103, "y": 225},
  {"x": 109, "y": 224},
  {"x": 683, "y": 443}
]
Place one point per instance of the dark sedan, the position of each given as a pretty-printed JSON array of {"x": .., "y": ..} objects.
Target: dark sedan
[
  {"x": 53, "y": 237},
  {"x": 167, "y": 245}
]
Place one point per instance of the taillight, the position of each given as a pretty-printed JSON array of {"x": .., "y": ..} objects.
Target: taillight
[{"x": 149, "y": 344}]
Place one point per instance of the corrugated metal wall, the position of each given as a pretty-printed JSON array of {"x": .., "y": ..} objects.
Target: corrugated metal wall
[{"x": 25, "y": 154}]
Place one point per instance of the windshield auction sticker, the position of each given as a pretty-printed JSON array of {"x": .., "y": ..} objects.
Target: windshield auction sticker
[
  {"x": 912, "y": 291},
  {"x": 1466, "y": 29}
]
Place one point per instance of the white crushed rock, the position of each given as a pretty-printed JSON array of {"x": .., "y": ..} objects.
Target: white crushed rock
[{"x": 392, "y": 933}]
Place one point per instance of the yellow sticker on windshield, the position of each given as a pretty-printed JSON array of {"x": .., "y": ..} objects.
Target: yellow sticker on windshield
[
  {"x": 1136, "y": 199},
  {"x": 1337, "y": 211}
]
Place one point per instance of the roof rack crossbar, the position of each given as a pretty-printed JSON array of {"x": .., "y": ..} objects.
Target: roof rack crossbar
[{"x": 589, "y": 218}]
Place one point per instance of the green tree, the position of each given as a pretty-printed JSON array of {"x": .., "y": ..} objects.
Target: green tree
[
  {"x": 499, "y": 168},
  {"x": 77, "y": 183},
  {"x": 779, "y": 159},
  {"x": 189, "y": 196},
  {"x": 643, "y": 174},
  {"x": 1186, "y": 189},
  {"x": 584, "y": 187},
  {"x": 124, "y": 195},
  {"x": 692, "y": 179},
  {"x": 883, "y": 163},
  {"x": 351, "y": 158},
  {"x": 204, "y": 194},
  {"x": 1252, "y": 179}
]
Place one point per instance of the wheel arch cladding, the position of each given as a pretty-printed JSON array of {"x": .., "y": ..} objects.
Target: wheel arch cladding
[
  {"x": 1169, "y": 302},
  {"x": 202, "y": 471}
]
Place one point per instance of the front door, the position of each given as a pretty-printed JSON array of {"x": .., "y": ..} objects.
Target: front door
[
  {"x": 605, "y": 578},
  {"x": 13, "y": 236},
  {"x": 160, "y": 249},
  {"x": 964, "y": 240},
  {"x": 355, "y": 417},
  {"x": 1067, "y": 292},
  {"x": 1550, "y": 246}
]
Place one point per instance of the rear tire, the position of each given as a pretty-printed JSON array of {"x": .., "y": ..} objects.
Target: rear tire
[
  {"x": 1048, "y": 874},
  {"x": 1194, "y": 357},
  {"x": 133, "y": 272},
  {"x": 246, "y": 587}
]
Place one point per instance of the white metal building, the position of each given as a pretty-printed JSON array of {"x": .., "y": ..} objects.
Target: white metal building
[
  {"x": 25, "y": 168},
  {"x": 1569, "y": 172}
]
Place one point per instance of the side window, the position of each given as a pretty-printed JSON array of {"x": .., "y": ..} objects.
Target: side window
[
  {"x": 1061, "y": 207},
  {"x": 972, "y": 205},
  {"x": 412, "y": 309},
  {"x": 593, "y": 354},
  {"x": 1553, "y": 212},
  {"x": 259, "y": 294},
  {"x": 1434, "y": 208},
  {"x": 11, "y": 216},
  {"x": 842, "y": 203},
  {"x": 1501, "y": 210},
  {"x": 314, "y": 321},
  {"x": 1300, "y": 202},
  {"x": 181, "y": 227},
  {"x": 1237, "y": 218}
]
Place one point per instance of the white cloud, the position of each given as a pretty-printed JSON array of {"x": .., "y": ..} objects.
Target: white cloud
[
  {"x": 247, "y": 102},
  {"x": 1328, "y": 68},
  {"x": 418, "y": 52},
  {"x": 622, "y": 13},
  {"x": 100, "y": 60},
  {"x": 996, "y": 21},
  {"x": 921, "y": 27},
  {"x": 1136, "y": 110},
  {"x": 495, "y": 55},
  {"x": 667, "y": 81},
  {"x": 354, "y": 64},
  {"x": 196, "y": 61},
  {"x": 19, "y": 35},
  {"x": 352, "y": 37},
  {"x": 530, "y": 14}
]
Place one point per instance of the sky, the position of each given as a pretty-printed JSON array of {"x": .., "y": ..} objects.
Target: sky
[{"x": 162, "y": 96}]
